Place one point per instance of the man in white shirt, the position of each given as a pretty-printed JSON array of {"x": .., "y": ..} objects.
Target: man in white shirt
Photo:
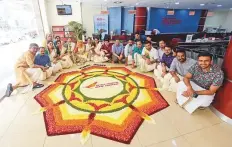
[
  {"x": 128, "y": 52},
  {"x": 161, "y": 48},
  {"x": 149, "y": 58}
]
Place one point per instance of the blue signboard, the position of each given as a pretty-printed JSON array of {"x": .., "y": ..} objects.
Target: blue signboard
[{"x": 101, "y": 24}]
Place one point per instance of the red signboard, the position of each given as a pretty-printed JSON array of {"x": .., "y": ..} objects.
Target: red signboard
[
  {"x": 170, "y": 12},
  {"x": 171, "y": 21},
  {"x": 132, "y": 11},
  {"x": 105, "y": 12},
  {"x": 191, "y": 13}
]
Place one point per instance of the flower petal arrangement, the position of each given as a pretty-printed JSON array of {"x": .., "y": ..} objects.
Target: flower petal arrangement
[{"x": 110, "y": 102}]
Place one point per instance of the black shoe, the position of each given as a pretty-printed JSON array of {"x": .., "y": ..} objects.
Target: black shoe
[
  {"x": 38, "y": 86},
  {"x": 9, "y": 90}
]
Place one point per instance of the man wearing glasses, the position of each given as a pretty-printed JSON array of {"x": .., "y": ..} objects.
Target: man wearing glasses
[{"x": 27, "y": 73}]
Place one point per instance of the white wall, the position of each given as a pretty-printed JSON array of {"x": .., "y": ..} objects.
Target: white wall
[
  {"x": 60, "y": 20},
  {"x": 88, "y": 12},
  {"x": 38, "y": 18},
  {"x": 228, "y": 23},
  {"x": 43, "y": 12},
  {"x": 218, "y": 19}
]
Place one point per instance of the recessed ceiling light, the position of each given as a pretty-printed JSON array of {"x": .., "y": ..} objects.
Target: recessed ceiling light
[
  {"x": 177, "y": 3},
  {"x": 219, "y": 5},
  {"x": 202, "y": 4},
  {"x": 188, "y": 8},
  {"x": 137, "y": 4},
  {"x": 230, "y": 8},
  {"x": 105, "y": 0}
]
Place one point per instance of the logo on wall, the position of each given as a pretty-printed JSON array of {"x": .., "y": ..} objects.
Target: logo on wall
[{"x": 171, "y": 21}]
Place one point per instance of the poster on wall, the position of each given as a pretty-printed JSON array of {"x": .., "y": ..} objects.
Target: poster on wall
[
  {"x": 101, "y": 25},
  {"x": 189, "y": 38}
]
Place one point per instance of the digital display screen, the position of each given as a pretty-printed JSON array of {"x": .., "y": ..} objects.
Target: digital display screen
[{"x": 64, "y": 9}]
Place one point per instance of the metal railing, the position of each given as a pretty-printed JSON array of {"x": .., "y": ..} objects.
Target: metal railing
[{"x": 216, "y": 49}]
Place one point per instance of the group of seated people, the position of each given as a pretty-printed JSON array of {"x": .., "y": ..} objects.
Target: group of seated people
[{"x": 195, "y": 82}]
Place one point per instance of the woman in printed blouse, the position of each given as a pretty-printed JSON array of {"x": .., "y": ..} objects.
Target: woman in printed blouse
[
  {"x": 52, "y": 53},
  {"x": 80, "y": 53},
  {"x": 62, "y": 54}
]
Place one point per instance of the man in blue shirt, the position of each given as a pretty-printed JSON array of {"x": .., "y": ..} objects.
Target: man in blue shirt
[
  {"x": 117, "y": 51},
  {"x": 43, "y": 59}
]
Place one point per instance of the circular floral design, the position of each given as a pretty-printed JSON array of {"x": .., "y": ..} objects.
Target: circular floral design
[{"x": 110, "y": 102}]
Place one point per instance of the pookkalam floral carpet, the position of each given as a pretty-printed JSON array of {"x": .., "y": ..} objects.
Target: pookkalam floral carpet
[{"x": 110, "y": 102}]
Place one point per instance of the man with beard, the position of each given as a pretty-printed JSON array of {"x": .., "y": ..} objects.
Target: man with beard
[
  {"x": 43, "y": 59},
  {"x": 128, "y": 51},
  {"x": 161, "y": 48},
  {"x": 178, "y": 69},
  {"x": 200, "y": 84},
  {"x": 106, "y": 48},
  {"x": 149, "y": 58},
  {"x": 136, "y": 56}
]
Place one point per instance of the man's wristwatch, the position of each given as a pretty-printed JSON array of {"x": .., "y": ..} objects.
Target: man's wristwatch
[{"x": 195, "y": 95}]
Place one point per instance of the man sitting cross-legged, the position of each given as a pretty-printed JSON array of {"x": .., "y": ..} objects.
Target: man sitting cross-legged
[
  {"x": 166, "y": 61},
  {"x": 27, "y": 73},
  {"x": 117, "y": 51},
  {"x": 128, "y": 52},
  {"x": 136, "y": 56},
  {"x": 149, "y": 58},
  {"x": 179, "y": 68},
  {"x": 43, "y": 59},
  {"x": 106, "y": 48},
  {"x": 200, "y": 84}
]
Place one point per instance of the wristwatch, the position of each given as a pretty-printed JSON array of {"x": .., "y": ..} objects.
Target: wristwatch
[{"x": 195, "y": 95}]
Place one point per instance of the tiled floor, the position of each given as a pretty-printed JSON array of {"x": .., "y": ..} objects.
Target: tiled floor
[{"x": 174, "y": 127}]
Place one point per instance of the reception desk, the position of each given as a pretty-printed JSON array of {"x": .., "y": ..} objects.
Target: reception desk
[{"x": 222, "y": 105}]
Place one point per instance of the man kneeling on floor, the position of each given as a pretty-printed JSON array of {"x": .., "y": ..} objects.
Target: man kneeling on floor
[
  {"x": 179, "y": 68},
  {"x": 200, "y": 84}
]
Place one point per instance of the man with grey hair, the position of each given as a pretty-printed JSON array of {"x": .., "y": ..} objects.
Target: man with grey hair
[{"x": 27, "y": 73}]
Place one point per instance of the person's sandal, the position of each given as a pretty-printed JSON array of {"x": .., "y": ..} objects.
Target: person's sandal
[
  {"x": 202, "y": 108},
  {"x": 38, "y": 86},
  {"x": 176, "y": 101},
  {"x": 9, "y": 90}
]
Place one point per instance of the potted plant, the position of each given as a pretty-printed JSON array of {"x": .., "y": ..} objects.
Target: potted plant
[{"x": 77, "y": 28}]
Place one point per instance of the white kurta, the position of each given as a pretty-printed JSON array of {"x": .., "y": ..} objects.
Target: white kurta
[
  {"x": 169, "y": 82},
  {"x": 158, "y": 72},
  {"x": 144, "y": 67},
  {"x": 137, "y": 58},
  {"x": 152, "y": 55},
  {"x": 129, "y": 59},
  {"x": 56, "y": 66},
  {"x": 191, "y": 104}
]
